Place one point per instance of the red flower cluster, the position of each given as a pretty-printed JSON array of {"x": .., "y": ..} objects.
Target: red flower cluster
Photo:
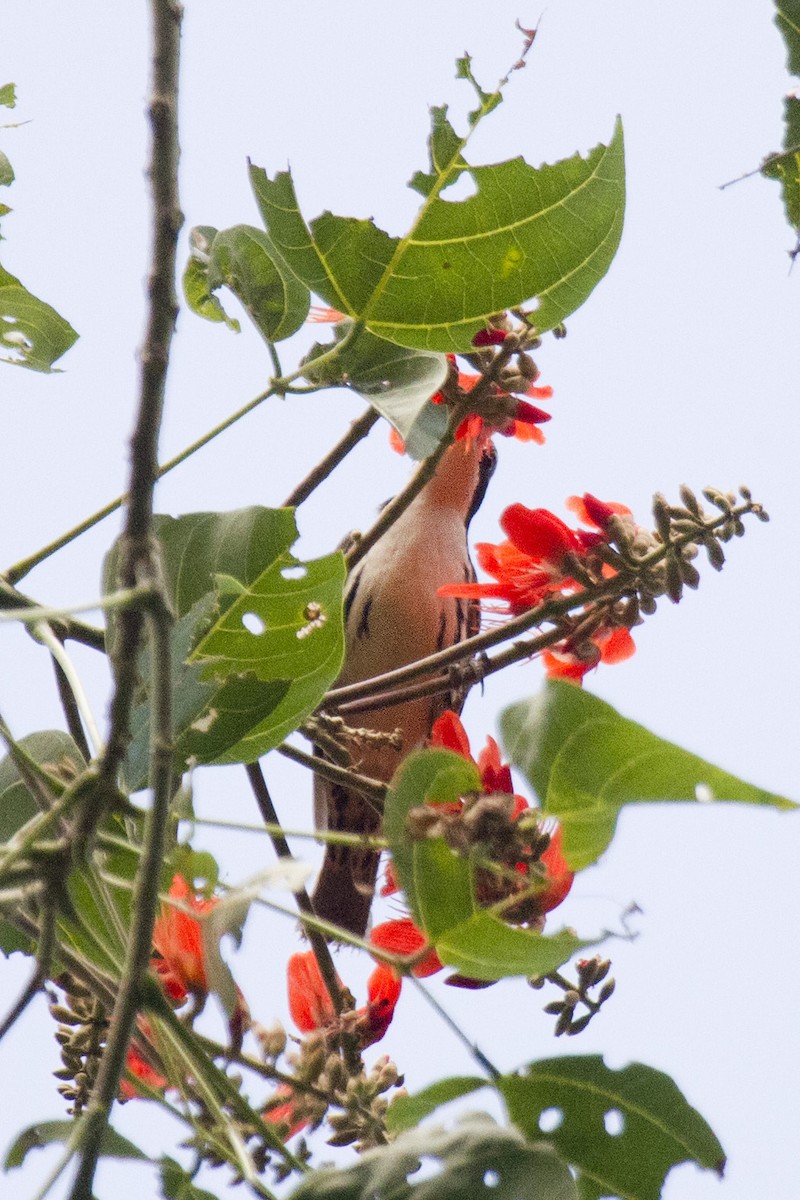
[
  {"x": 178, "y": 940},
  {"x": 179, "y": 962},
  {"x": 533, "y": 564},
  {"x": 402, "y": 936},
  {"x": 312, "y": 1008},
  {"x": 312, "y": 1012}
]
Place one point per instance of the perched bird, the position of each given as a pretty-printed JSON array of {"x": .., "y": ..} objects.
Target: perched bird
[{"x": 393, "y": 616}]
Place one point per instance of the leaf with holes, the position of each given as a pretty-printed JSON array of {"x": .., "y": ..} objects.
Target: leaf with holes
[
  {"x": 622, "y": 1130},
  {"x": 542, "y": 235},
  {"x": 437, "y": 884},
  {"x": 208, "y": 716},
  {"x": 477, "y": 1159},
  {"x": 32, "y": 334},
  {"x": 198, "y": 547},
  {"x": 285, "y": 628},
  {"x": 585, "y": 761},
  {"x": 407, "y": 1111},
  {"x": 396, "y": 381},
  {"x": 230, "y": 710}
]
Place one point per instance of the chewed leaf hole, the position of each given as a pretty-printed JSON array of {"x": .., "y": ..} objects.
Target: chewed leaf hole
[
  {"x": 614, "y": 1122},
  {"x": 429, "y": 1168},
  {"x": 491, "y": 1179},
  {"x": 253, "y": 623},
  {"x": 550, "y": 1120},
  {"x": 298, "y": 572},
  {"x": 464, "y": 187}
]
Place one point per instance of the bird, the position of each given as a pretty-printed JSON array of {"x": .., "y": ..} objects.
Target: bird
[{"x": 393, "y": 617}]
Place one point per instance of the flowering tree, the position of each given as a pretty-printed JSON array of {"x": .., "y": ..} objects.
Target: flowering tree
[{"x": 223, "y": 645}]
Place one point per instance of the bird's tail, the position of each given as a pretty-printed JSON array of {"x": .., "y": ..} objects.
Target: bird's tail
[{"x": 346, "y": 884}]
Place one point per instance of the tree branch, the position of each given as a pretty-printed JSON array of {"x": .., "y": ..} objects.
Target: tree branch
[
  {"x": 318, "y": 943},
  {"x": 357, "y": 431},
  {"x": 139, "y": 564}
]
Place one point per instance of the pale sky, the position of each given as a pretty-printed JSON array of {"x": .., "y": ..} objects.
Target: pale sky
[{"x": 680, "y": 368}]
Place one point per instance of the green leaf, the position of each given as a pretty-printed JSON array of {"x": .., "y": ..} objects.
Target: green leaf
[
  {"x": 8, "y": 95},
  {"x": 476, "y": 1159},
  {"x": 212, "y": 714},
  {"x": 31, "y": 332},
  {"x": 440, "y": 776},
  {"x": 787, "y": 19},
  {"x": 275, "y": 300},
  {"x": 196, "y": 286},
  {"x": 407, "y": 1111},
  {"x": 484, "y": 947},
  {"x": 397, "y": 382},
  {"x": 585, "y": 761},
  {"x": 198, "y": 547},
  {"x": 208, "y": 716},
  {"x": 785, "y": 168},
  {"x": 45, "y": 1133},
  {"x": 546, "y": 235},
  {"x": 48, "y": 748},
  {"x": 286, "y": 628},
  {"x": 242, "y": 259},
  {"x": 177, "y": 1184},
  {"x": 623, "y": 1130},
  {"x": 6, "y": 171}
]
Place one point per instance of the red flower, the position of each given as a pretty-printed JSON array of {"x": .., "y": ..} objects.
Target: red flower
[
  {"x": 139, "y": 1067},
  {"x": 178, "y": 938},
  {"x": 515, "y": 417},
  {"x": 449, "y": 733},
  {"x": 402, "y": 937},
  {"x": 533, "y": 564},
  {"x": 312, "y": 1008}
]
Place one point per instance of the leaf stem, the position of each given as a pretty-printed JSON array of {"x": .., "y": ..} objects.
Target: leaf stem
[
  {"x": 373, "y": 789},
  {"x": 44, "y": 633},
  {"x": 358, "y": 430},
  {"x": 319, "y": 945},
  {"x": 485, "y": 1064}
]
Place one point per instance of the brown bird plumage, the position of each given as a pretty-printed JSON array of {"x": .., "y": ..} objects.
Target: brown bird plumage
[{"x": 393, "y": 616}]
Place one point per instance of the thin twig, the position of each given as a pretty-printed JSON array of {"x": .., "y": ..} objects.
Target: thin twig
[
  {"x": 357, "y": 431},
  {"x": 67, "y": 627},
  {"x": 138, "y": 565},
  {"x": 44, "y": 958},
  {"x": 318, "y": 943},
  {"x": 71, "y": 712},
  {"x": 485, "y": 1064},
  {"x": 373, "y": 789},
  {"x": 43, "y": 632}
]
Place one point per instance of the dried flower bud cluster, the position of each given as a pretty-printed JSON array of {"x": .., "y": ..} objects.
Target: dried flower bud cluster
[
  {"x": 81, "y": 1035},
  {"x": 324, "y": 1079},
  {"x": 592, "y": 972},
  {"x": 506, "y": 845}
]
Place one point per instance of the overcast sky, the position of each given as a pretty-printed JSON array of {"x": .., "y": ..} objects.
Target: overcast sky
[{"x": 682, "y": 367}]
